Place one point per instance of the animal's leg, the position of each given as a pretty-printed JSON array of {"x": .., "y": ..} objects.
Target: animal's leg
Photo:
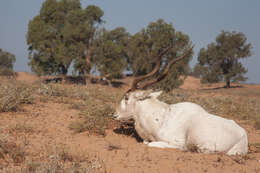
[
  {"x": 161, "y": 144},
  {"x": 145, "y": 142},
  {"x": 240, "y": 148}
]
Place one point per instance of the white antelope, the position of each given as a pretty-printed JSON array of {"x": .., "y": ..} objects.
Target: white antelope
[{"x": 178, "y": 125}]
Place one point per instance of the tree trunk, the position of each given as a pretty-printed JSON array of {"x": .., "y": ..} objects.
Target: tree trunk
[
  {"x": 227, "y": 84},
  {"x": 88, "y": 57},
  {"x": 64, "y": 73}
]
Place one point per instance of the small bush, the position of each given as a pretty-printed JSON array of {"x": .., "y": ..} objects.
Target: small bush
[
  {"x": 95, "y": 112},
  {"x": 12, "y": 150},
  {"x": 12, "y": 95},
  {"x": 95, "y": 119}
]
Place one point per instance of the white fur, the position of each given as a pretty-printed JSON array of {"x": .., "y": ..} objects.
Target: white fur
[{"x": 181, "y": 125}]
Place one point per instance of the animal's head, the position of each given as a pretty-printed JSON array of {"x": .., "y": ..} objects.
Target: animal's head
[
  {"x": 137, "y": 91},
  {"x": 126, "y": 109}
]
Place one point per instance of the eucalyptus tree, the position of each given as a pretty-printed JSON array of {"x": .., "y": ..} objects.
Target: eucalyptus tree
[
  {"x": 86, "y": 36},
  {"x": 220, "y": 60},
  {"x": 110, "y": 53},
  {"x": 160, "y": 39},
  {"x": 60, "y": 35}
]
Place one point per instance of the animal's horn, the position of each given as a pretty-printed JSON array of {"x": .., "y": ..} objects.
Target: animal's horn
[
  {"x": 166, "y": 70},
  {"x": 155, "y": 70}
]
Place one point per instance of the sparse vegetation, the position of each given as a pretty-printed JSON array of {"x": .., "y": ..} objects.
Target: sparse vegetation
[
  {"x": 60, "y": 90},
  {"x": 10, "y": 150},
  {"x": 13, "y": 94},
  {"x": 21, "y": 128},
  {"x": 94, "y": 119},
  {"x": 64, "y": 161},
  {"x": 97, "y": 113},
  {"x": 95, "y": 105}
]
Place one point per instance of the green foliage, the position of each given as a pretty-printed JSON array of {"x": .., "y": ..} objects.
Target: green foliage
[
  {"x": 146, "y": 45},
  {"x": 220, "y": 61},
  {"x": 110, "y": 53},
  {"x": 87, "y": 30},
  {"x": 6, "y": 63},
  {"x": 60, "y": 34}
]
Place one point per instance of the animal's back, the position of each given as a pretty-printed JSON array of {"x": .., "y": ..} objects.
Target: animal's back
[
  {"x": 177, "y": 122},
  {"x": 189, "y": 123},
  {"x": 212, "y": 133}
]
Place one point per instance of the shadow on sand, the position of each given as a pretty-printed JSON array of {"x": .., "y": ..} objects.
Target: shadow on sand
[
  {"x": 224, "y": 87},
  {"x": 127, "y": 128}
]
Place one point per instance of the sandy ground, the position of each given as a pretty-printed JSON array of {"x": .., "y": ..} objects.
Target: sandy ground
[{"x": 119, "y": 153}]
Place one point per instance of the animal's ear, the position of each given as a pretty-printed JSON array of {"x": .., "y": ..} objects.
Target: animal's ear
[
  {"x": 155, "y": 94},
  {"x": 140, "y": 95}
]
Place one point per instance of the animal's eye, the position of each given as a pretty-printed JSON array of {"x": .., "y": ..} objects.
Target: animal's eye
[
  {"x": 126, "y": 100},
  {"x": 126, "y": 97}
]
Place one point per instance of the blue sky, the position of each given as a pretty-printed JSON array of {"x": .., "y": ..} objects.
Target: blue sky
[{"x": 202, "y": 20}]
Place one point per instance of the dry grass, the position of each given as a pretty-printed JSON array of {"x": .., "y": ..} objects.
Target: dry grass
[
  {"x": 22, "y": 127},
  {"x": 63, "y": 160},
  {"x": 9, "y": 150},
  {"x": 94, "y": 117},
  {"x": 59, "y": 90},
  {"x": 96, "y": 104},
  {"x": 13, "y": 94}
]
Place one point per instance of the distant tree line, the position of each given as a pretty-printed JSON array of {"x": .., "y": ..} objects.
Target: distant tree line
[{"x": 64, "y": 34}]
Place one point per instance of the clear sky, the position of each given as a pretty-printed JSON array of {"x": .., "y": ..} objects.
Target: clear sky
[{"x": 202, "y": 20}]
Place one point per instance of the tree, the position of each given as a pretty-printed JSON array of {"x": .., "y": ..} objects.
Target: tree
[
  {"x": 150, "y": 42},
  {"x": 110, "y": 52},
  {"x": 86, "y": 40},
  {"x": 220, "y": 61},
  {"x": 60, "y": 35},
  {"x": 6, "y": 63}
]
